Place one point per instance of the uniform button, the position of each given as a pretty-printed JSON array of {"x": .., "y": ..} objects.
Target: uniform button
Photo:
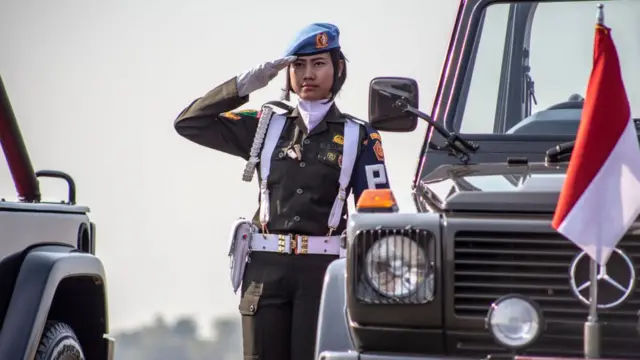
[
  {"x": 281, "y": 154},
  {"x": 303, "y": 164},
  {"x": 252, "y": 308},
  {"x": 296, "y": 218},
  {"x": 299, "y": 191},
  {"x": 306, "y": 141}
]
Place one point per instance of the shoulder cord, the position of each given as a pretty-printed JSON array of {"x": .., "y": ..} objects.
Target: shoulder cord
[{"x": 258, "y": 139}]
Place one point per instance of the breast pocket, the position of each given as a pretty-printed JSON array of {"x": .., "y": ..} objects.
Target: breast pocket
[{"x": 280, "y": 163}]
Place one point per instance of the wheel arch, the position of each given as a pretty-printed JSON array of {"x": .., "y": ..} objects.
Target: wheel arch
[
  {"x": 80, "y": 302},
  {"x": 59, "y": 283}
]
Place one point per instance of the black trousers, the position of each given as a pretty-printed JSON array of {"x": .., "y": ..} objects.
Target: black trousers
[{"x": 280, "y": 303}]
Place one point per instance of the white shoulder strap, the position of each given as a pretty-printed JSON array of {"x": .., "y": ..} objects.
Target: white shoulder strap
[
  {"x": 273, "y": 134},
  {"x": 349, "y": 154}
]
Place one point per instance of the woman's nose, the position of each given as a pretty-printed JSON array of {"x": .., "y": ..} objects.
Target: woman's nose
[{"x": 309, "y": 74}]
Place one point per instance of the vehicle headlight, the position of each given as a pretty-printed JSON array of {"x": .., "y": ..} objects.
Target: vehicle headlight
[
  {"x": 396, "y": 266},
  {"x": 514, "y": 321}
]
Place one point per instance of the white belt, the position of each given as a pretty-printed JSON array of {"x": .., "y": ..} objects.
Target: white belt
[{"x": 300, "y": 244}]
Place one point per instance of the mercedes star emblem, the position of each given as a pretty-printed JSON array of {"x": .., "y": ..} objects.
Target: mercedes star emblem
[{"x": 618, "y": 275}]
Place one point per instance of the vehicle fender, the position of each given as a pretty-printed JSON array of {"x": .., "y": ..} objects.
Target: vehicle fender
[
  {"x": 43, "y": 271},
  {"x": 333, "y": 324}
]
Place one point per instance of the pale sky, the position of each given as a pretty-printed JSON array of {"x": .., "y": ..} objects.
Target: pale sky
[{"x": 96, "y": 87}]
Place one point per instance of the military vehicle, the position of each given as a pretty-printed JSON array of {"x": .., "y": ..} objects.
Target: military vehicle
[
  {"x": 475, "y": 270},
  {"x": 53, "y": 302}
]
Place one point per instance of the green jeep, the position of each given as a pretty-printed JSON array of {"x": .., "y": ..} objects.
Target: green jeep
[{"x": 474, "y": 270}]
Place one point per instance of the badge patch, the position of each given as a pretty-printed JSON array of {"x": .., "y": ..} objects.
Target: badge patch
[
  {"x": 330, "y": 157},
  {"x": 231, "y": 115},
  {"x": 248, "y": 112},
  {"x": 377, "y": 148},
  {"x": 338, "y": 139},
  {"x": 375, "y": 136},
  {"x": 322, "y": 41}
]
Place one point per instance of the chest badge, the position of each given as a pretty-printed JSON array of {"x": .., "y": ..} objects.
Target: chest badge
[{"x": 338, "y": 139}]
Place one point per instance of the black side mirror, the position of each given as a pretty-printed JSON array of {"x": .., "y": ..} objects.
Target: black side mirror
[{"x": 384, "y": 114}]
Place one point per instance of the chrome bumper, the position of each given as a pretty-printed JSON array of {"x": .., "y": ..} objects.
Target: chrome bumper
[{"x": 352, "y": 355}]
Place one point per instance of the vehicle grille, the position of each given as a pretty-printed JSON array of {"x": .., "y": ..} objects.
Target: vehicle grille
[
  {"x": 365, "y": 239},
  {"x": 490, "y": 265}
]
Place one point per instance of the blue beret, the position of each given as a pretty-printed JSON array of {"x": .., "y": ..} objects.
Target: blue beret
[{"x": 313, "y": 39}]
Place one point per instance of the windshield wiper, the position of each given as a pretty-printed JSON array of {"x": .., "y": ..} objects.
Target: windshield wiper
[
  {"x": 453, "y": 142},
  {"x": 560, "y": 152}
]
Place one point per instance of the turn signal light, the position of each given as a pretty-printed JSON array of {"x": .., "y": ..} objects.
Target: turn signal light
[{"x": 377, "y": 200}]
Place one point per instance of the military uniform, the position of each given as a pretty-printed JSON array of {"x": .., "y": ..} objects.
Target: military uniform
[{"x": 281, "y": 291}]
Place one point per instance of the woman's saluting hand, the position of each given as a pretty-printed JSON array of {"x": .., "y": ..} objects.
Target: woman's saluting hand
[{"x": 260, "y": 76}]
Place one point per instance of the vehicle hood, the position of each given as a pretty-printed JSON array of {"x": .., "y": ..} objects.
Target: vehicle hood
[{"x": 494, "y": 187}]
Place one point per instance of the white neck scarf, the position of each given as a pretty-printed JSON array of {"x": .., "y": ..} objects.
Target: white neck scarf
[{"x": 313, "y": 111}]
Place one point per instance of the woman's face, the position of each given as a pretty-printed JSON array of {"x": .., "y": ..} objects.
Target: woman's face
[{"x": 312, "y": 76}]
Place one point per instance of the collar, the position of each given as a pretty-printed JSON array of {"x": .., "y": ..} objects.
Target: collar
[{"x": 318, "y": 120}]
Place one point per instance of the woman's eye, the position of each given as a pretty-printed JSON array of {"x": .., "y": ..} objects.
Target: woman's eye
[{"x": 320, "y": 63}]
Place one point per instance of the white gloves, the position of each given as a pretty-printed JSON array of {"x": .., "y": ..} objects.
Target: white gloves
[{"x": 259, "y": 77}]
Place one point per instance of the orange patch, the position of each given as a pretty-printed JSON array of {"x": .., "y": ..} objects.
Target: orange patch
[
  {"x": 377, "y": 148},
  {"x": 230, "y": 115},
  {"x": 375, "y": 136},
  {"x": 322, "y": 41}
]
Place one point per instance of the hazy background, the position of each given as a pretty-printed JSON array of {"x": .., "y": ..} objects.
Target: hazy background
[{"x": 96, "y": 86}]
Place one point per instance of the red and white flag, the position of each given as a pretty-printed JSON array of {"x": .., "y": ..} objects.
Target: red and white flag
[{"x": 600, "y": 198}]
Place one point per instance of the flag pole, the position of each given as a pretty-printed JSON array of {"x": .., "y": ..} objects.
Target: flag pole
[{"x": 592, "y": 325}]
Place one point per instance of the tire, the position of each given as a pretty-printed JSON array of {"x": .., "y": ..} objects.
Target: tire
[{"x": 59, "y": 342}]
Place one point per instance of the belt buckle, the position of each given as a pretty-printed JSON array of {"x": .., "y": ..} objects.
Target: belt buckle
[
  {"x": 293, "y": 241},
  {"x": 304, "y": 244}
]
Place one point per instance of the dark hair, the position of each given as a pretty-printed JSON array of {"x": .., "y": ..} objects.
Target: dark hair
[{"x": 338, "y": 78}]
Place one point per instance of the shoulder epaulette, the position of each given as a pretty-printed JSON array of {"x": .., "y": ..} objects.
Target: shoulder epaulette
[
  {"x": 282, "y": 105},
  {"x": 355, "y": 119}
]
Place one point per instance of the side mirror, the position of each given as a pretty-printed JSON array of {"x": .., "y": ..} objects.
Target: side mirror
[{"x": 383, "y": 94}]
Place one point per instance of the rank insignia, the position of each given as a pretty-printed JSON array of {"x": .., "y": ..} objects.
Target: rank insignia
[
  {"x": 331, "y": 156},
  {"x": 377, "y": 148},
  {"x": 231, "y": 115},
  {"x": 338, "y": 139}
]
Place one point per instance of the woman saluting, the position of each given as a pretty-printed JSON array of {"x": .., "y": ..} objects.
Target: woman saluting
[{"x": 311, "y": 158}]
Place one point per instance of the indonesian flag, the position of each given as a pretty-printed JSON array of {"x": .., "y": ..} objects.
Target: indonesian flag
[{"x": 600, "y": 198}]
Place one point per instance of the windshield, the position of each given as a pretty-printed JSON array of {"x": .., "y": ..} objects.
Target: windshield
[{"x": 543, "y": 98}]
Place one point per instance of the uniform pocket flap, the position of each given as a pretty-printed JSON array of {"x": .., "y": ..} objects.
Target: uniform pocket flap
[{"x": 251, "y": 299}]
